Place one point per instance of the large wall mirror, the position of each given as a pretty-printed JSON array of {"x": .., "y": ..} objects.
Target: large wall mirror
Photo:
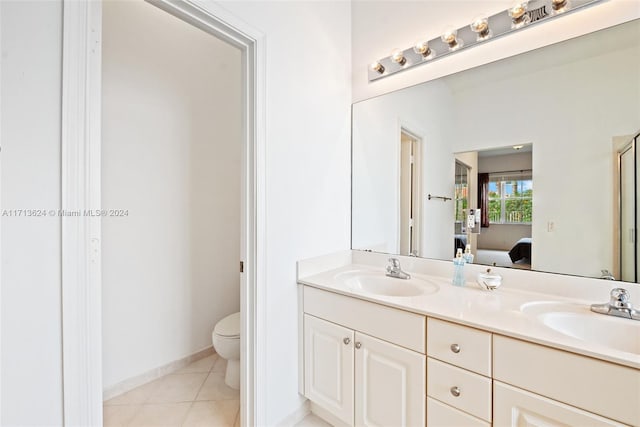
[{"x": 530, "y": 160}]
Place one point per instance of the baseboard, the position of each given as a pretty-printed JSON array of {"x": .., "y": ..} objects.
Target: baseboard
[
  {"x": 296, "y": 416},
  {"x": 133, "y": 382},
  {"x": 327, "y": 416}
]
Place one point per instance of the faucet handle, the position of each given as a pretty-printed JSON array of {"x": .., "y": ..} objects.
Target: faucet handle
[
  {"x": 395, "y": 262},
  {"x": 620, "y": 298}
]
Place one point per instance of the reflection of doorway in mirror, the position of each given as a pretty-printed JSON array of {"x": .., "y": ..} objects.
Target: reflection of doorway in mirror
[
  {"x": 410, "y": 200},
  {"x": 462, "y": 205},
  {"x": 505, "y": 192},
  {"x": 627, "y": 212}
]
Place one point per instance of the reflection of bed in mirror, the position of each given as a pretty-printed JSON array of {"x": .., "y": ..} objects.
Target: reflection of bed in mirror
[
  {"x": 500, "y": 258},
  {"x": 521, "y": 250}
]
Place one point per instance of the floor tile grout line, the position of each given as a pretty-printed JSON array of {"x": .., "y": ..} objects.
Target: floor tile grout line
[
  {"x": 186, "y": 414},
  {"x": 236, "y": 419},
  {"x": 148, "y": 399},
  {"x": 195, "y": 399}
]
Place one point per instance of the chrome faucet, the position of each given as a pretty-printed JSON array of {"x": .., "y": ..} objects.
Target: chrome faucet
[
  {"x": 619, "y": 305},
  {"x": 394, "y": 270},
  {"x": 606, "y": 274}
]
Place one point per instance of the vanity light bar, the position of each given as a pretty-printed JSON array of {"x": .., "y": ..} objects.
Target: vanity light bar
[{"x": 521, "y": 14}]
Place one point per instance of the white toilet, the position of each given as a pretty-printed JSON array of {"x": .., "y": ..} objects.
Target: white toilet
[{"x": 226, "y": 342}]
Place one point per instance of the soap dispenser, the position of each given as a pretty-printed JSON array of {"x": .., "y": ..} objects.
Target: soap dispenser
[
  {"x": 458, "y": 269},
  {"x": 468, "y": 256}
]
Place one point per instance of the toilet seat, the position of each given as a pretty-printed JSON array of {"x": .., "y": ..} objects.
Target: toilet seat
[{"x": 228, "y": 327}]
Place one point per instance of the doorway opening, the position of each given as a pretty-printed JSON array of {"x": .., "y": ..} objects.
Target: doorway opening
[
  {"x": 82, "y": 187},
  {"x": 172, "y": 172}
]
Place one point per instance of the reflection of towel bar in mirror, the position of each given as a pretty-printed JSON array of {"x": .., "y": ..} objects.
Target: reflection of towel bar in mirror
[{"x": 443, "y": 198}]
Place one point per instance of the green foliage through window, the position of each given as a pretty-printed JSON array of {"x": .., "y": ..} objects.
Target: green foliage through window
[{"x": 510, "y": 200}]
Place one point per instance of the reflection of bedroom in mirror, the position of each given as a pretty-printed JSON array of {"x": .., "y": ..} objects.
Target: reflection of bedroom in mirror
[
  {"x": 409, "y": 193},
  {"x": 504, "y": 184}
]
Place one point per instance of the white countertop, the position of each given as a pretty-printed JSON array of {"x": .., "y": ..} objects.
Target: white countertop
[{"x": 496, "y": 311}]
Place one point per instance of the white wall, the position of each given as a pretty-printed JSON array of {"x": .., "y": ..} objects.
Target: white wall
[
  {"x": 171, "y": 156},
  {"x": 31, "y": 366},
  {"x": 502, "y": 237},
  {"x": 512, "y": 162},
  {"x": 376, "y": 168},
  {"x": 308, "y": 67},
  {"x": 381, "y": 26},
  {"x": 308, "y": 56}
]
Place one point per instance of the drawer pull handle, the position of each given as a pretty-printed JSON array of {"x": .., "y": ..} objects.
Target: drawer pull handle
[
  {"x": 455, "y": 348},
  {"x": 455, "y": 391},
  {"x": 346, "y": 341},
  {"x": 358, "y": 345}
]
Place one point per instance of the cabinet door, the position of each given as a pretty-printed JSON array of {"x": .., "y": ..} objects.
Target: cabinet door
[
  {"x": 441, "y": 415},
  {"x": 518, "y": 408},
  {"x": 328, "y": 366},
  {"x": 390, "y": 384}
]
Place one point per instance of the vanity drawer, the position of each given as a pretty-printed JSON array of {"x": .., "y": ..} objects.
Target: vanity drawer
[
  {"x": 389, "y": 324},
  {"x": 441, "y": 415},
  {"x": 474, "y": 395},
  {"x": 459, "y": 345},
  {"x": 596, "y": 386},
  {"x": 512, "y": 406}
]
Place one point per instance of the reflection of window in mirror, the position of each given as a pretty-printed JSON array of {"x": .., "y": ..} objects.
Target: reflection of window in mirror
[
  {"x": 510, "y": 197},
  {"x": 506, "y": 193}
]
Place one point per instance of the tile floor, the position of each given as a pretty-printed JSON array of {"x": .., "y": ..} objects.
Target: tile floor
[
  {"x": 193, "y": 396},
  {"x": 312, "y": 420}
]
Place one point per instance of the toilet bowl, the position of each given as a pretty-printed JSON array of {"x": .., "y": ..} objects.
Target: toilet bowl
[{"x": 226, "y": 342}]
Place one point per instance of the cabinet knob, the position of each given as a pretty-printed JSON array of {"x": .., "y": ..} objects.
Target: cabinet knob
[
  {"x": 358, "y": 344},
  {"x": 346, "y": 341},
  {"x": 455, "y": 391},
  {"x": 455, "y": 348}
]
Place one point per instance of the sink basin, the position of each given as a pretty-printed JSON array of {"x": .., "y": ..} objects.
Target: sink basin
[
  {"x": 379, "y": 284},
  {"x": 578, "y": 321}
]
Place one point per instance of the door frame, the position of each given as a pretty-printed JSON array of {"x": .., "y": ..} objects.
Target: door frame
[{"x": 81, "y": 191}]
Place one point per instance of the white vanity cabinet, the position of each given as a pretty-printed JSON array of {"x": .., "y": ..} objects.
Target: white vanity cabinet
[
  {"x": 329, "y": 367},
  {"x": 389, "y": 384},
  {"x": 368, "y": 364},
  {"x": 555, "y": 387},
  {"x": 515, "y": 407},
  {"x": 356, "y": 377},
  {"x": 458, "y": 375}
]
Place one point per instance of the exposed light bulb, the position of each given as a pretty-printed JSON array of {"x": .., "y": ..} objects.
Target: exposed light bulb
[
  {"x": 421, "y": 47},
  {"x": 559, "y": 6},
  {"x": 397, "y": 56},
  {"x": 450, "y": 37},
  {"x": 518, "y": 14},
  {"x": 377, "y": 67},
  {"x": 480, "y": 26}
]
